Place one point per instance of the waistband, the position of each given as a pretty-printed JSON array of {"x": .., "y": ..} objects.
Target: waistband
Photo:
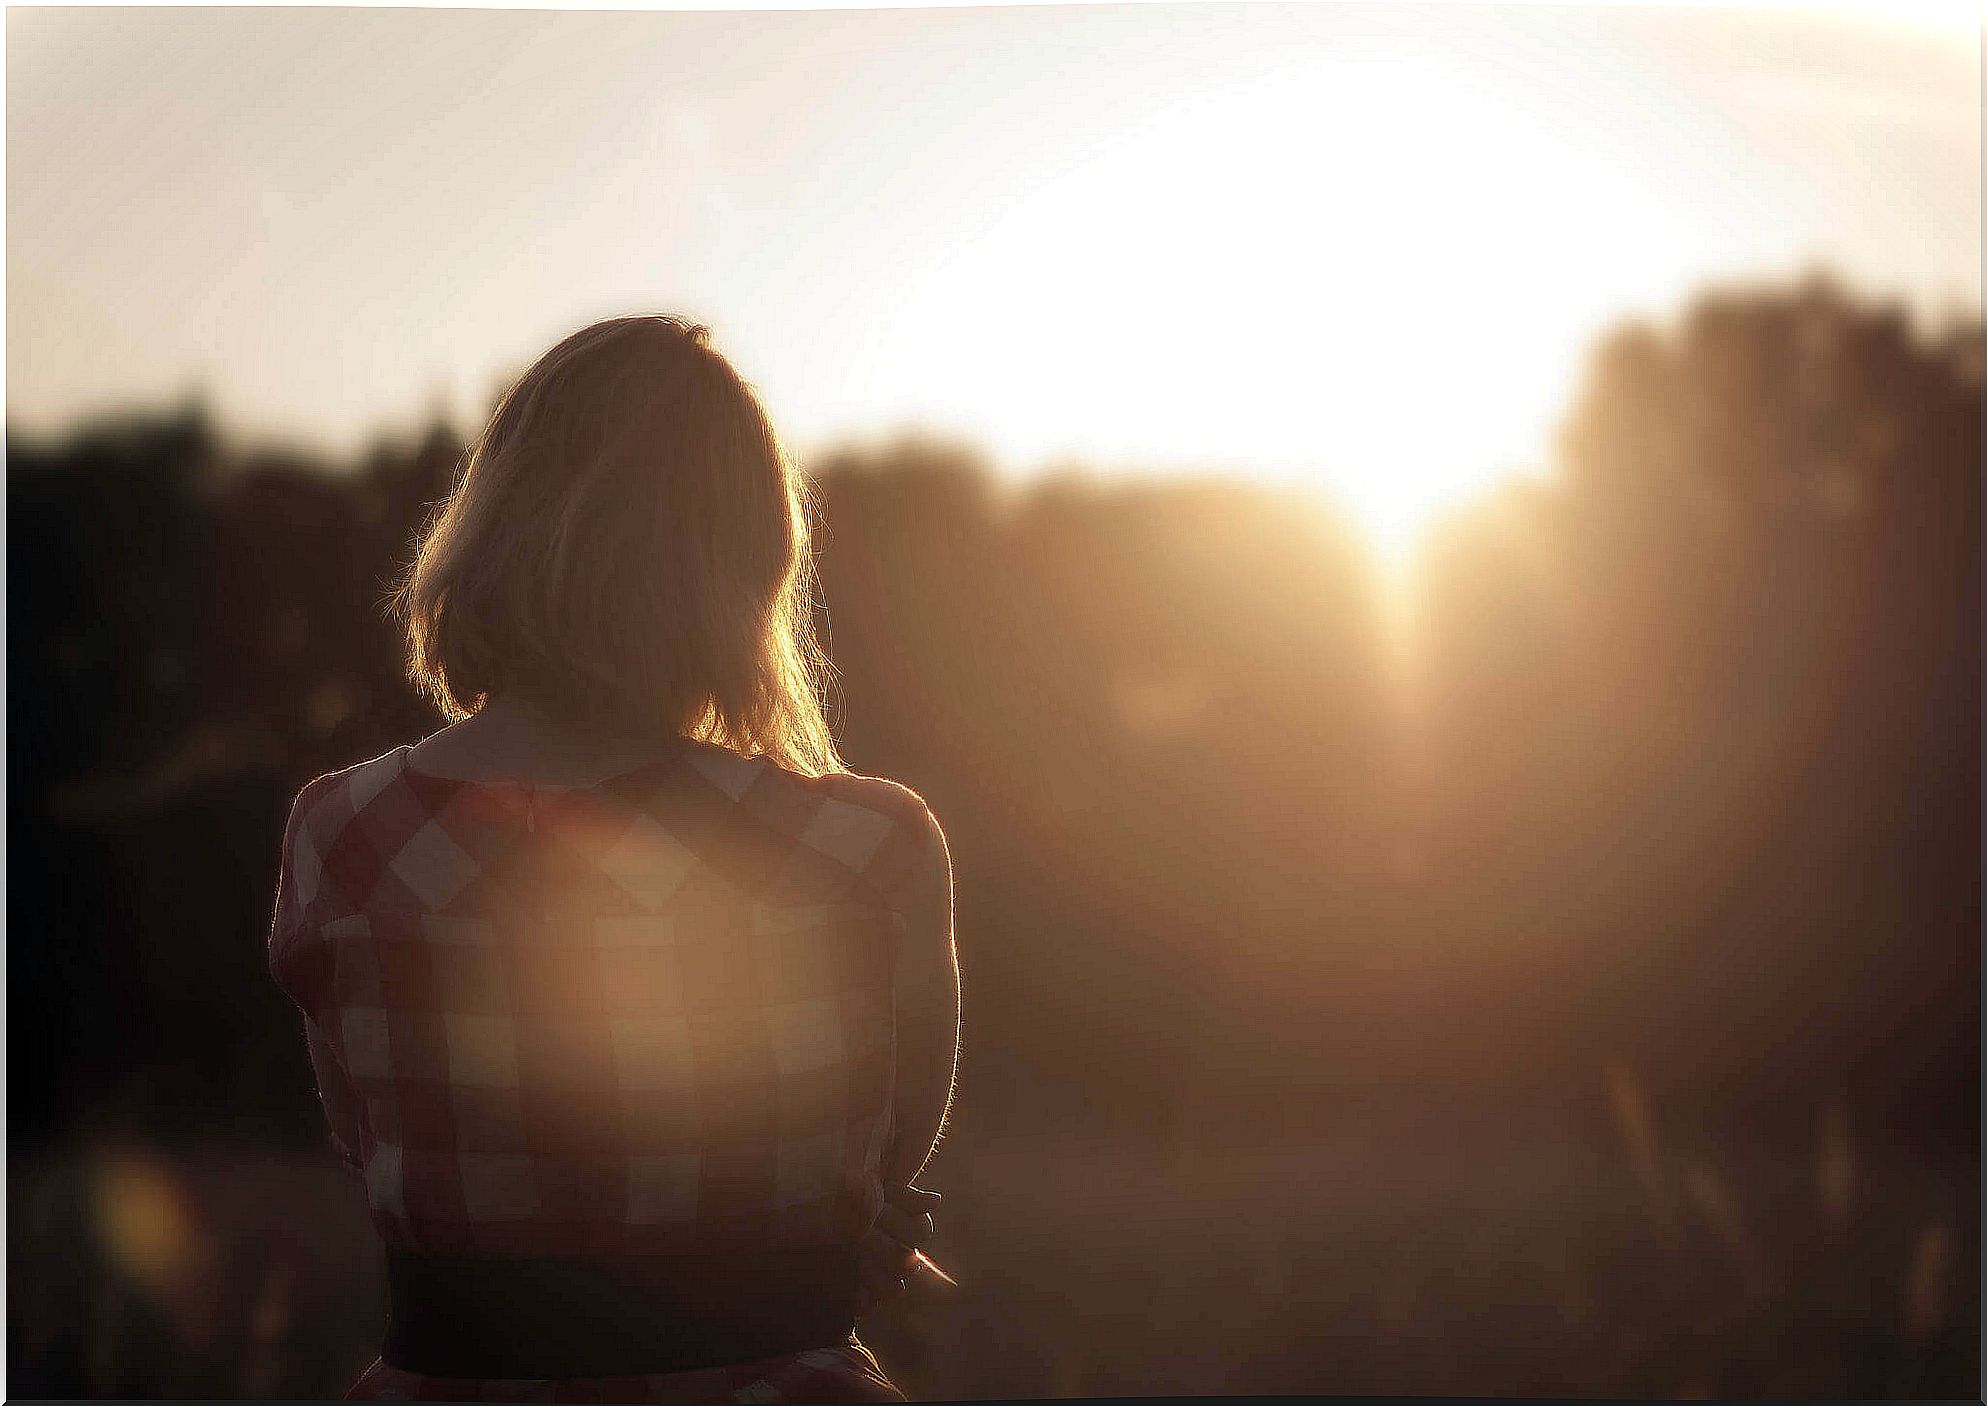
[{"x": 605, "y": 1316}]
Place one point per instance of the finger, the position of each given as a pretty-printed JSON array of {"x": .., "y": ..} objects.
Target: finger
[
  {"x": 924, "y": 1262},
  {"x": 913, "y": 1199},
  {"x": 905, "y": 1229},
  {"x": 894, "y": 1223}
]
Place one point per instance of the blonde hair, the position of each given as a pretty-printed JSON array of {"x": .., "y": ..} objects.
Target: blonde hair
[{"x": 627, "y": 546}]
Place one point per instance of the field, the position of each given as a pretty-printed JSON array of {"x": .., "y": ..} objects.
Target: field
[{"x": 1396, "y": 1264}]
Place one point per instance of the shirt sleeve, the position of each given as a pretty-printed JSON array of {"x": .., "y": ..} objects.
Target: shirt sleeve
[
  {"x": 286, "y": 919},
  {"x": 296, "y": 964},
  {"x": 335, "y": 1093},
  {"x": 926, "y": 997}
]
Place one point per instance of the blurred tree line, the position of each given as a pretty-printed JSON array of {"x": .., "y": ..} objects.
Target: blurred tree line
[{"x": 1670, "y": 761}]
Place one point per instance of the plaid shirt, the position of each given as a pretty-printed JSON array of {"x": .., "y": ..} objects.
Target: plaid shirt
[{"x": 708, "y": 1003}]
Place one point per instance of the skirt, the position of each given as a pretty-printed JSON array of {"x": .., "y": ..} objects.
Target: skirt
[{"x": 848, "y": 1372}]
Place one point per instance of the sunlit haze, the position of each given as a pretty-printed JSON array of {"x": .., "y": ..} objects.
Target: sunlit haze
[
  {"x": 1363, "y": 247},
  {"x": 1365, "y": 782}
]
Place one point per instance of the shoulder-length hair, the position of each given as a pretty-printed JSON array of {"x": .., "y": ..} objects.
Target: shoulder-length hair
[{"x": 627, "y": 547}]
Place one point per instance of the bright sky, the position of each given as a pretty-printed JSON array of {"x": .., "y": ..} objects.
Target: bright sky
[{"x": 1361, "y": 243}]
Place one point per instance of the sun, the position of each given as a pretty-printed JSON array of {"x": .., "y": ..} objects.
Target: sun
[
  {"x": 1397, "y": 507},
  {"x": 1372, "y": 273}
]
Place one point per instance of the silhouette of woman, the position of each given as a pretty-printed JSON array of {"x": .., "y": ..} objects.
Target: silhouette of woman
[{"x": 636, "y": 1012}]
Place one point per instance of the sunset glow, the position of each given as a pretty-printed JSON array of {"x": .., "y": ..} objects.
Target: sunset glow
[
  {"x": 1281, "y": 265},
  {"x": 1299, "y": 679},
  {"x": 1360, "y": 248}
]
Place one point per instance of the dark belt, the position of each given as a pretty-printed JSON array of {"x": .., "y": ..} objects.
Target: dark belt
[{"x": 455, "y": 1316}]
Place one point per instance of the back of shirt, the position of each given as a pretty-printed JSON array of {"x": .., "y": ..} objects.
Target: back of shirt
[{"x": 701, "y": 1005}]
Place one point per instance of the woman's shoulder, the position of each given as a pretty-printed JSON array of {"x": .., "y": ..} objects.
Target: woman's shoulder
[
  {"x": 879, "y": 827},
  {"x": 762, "y": 784},
  {"x": 885, "y": 818},
  {"x": 893, "y": 800},
  {"x": 324, "y": 805}
]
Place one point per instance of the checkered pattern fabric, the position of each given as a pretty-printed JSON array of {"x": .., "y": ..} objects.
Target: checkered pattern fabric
[
  {"x": 844, "y": 1373},
  {"x": 658, "y": 1013}
]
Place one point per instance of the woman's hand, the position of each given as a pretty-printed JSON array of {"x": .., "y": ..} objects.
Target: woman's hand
[{"x": 903, "y": 1225}]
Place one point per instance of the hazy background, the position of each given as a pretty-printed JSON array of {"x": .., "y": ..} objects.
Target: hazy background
[
  {"x": 1427, "y": 557},
  {"x": 1143, "y": 236}
]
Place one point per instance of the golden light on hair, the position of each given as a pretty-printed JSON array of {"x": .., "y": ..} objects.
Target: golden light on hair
[{"x": 627, "y": 545}]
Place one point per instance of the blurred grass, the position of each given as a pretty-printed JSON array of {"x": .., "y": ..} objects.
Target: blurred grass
[{"x": 1376, "y": 1263}]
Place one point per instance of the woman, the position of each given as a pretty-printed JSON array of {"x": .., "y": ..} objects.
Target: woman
[{"x": 636, "y": 1012}]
